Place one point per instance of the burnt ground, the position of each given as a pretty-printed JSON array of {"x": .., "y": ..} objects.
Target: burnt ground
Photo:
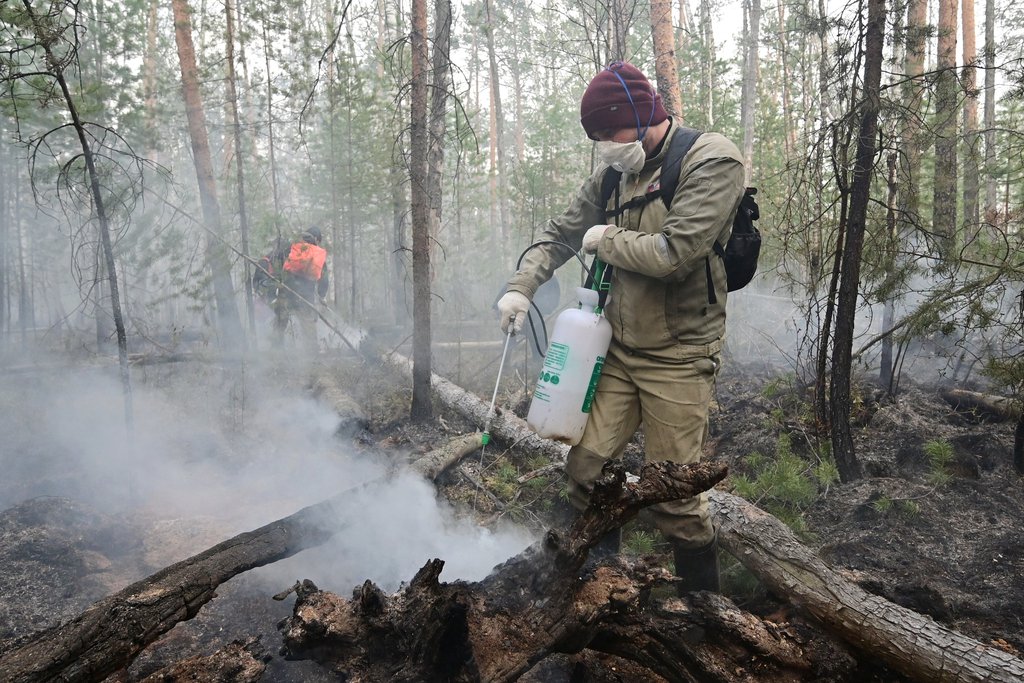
[{"x": 935, "y": 525}]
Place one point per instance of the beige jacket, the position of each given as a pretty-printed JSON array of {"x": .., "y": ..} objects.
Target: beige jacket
[{"x": 659, "y": 303}]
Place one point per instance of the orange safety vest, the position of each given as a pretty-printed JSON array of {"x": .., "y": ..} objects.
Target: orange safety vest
[{"x": 306, "y": 260}]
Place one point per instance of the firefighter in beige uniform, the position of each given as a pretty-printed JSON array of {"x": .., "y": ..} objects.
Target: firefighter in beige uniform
[{"x": 667, "y": 327}]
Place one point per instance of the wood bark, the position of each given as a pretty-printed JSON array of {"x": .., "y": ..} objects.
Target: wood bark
[
  {"x": 107, "y": 636},
  {"x": 99, "y": 205},
  {"x": 853, "y": 246},
  {"x": 944, "y": 202},
  {"x": 236, "y": 136},
  {"x": 707, "y": 69},
  {"x": 223, "y": 290},
  {"x": 421, "y": 405},
  {"x": 236, "y": 662},
  {"x": 498, "y": 167},
  {"x": 666, "y": 69},
  {"x": 437, "y": 461},
  {"x": 911, "y": 643},
  {"x": 990, "y": 110},
  {"x": 998, "y": 406},
  {"x": 497, "y": 629},
  {"x": 748, "y": 100},
  {"x": 972, "y": 137},
  {"x": 904, "y": 640}
]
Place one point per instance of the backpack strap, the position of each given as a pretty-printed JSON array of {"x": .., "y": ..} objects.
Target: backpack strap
[{"x": 678, "y": 147}]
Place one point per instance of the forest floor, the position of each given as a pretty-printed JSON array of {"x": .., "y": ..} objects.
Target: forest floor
[{"x": 935, "y": 525}]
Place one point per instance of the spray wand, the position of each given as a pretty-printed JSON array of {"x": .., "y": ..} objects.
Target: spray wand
[{"x": 486, "y": 438}]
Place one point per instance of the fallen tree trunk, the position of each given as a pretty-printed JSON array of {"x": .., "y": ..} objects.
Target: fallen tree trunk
[
  {"x": 108, "y": 635},
  {"x": 908, "y": 642},
  {"x": 505, "y": 425},
  {"x": 440, "y": 459},
  {"x": 905, "y": 640},
  {"x": 998, "y": 406}
]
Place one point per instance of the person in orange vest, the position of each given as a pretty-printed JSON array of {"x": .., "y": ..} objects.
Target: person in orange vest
[{"x": 304, "y": 275}]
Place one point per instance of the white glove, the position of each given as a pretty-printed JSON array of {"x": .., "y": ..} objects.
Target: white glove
[
  {"x": 512, "y": 307},
  {"x": 592, "y": 238}
]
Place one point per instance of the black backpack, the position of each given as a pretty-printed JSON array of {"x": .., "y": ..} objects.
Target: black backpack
[{"x": 744, "y": 246}]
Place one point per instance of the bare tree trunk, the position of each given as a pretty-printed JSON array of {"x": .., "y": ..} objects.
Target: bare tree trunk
[
  {"x": 419, "y": 147},
  {"x": 945, "y": 122},
  {"x": 498, "y": 127},
  {"x": 885, "y": 370},
  {"x": 45, "y": 40},
  {"x": 789, "y": 141},
  {"x": 149, "y": 66},
  {"x": 440, "y": 92},
  {"x": 5, "y": 289},
  {"x": 990, "y": 110},
  {"x": 707, "y": 66},
  {"x": 666, "y": 69},
  {"x": 860, "y": 191},
  {"x": 223, "y": 291},
  {"x": 236, "y": 128},
  {"x": 270, "y": 129},
  {"x": 971, "y": 136},
  {"x": 748, "y": 104}
]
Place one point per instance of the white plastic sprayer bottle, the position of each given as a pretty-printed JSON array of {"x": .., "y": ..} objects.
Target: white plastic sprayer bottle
[{"x": 572, "y": 365}]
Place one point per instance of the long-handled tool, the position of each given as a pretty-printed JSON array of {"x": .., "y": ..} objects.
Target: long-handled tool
[
  {"x": 494, "y": 397},
  {"x": 486, "y": 436}
]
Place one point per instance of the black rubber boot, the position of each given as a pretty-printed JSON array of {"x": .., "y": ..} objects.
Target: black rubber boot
[
  {"x": 606, "y": 546},
  {"x": 697, "y": 567}
]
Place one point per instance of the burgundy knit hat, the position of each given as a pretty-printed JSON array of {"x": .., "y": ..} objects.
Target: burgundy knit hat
[{"x": 606, "y": 103}]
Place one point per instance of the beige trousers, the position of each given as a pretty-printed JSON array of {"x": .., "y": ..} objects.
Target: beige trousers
[{"x": 671, "y": 400}]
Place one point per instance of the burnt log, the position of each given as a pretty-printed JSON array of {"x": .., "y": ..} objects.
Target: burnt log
[
  {"x": 107, "y": 636},
  {"x": 906, "y": 641},
  {"x": 110, "y": 634},
  {"x": 236, "y": 662},
  {"x": 548, "y": 600}
]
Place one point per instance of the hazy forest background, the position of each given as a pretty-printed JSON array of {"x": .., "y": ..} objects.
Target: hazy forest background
[{"x": 150, "y": 151}]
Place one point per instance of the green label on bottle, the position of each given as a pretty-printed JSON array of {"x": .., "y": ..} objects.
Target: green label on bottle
[{"x": 588, "y": 400}]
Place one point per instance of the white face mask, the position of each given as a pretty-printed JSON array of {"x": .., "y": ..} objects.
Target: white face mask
[{"x": 625, "y": 157}]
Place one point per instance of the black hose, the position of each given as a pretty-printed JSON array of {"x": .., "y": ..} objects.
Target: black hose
[{"x": 540, "y": 316}]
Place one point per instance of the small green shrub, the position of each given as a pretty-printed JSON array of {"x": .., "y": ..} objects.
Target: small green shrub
[
  {"x": 640, "y": 542},
  {"x": 786, "y": 484},
  {"x": 940, "y": 454},
  {"x": 504, "y": 482}
]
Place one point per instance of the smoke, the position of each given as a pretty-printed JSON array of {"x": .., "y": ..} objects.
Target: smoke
[{"x": 233, "y": 450}]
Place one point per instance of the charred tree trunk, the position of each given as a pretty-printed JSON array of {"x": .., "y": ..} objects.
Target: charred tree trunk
[
  {"x": 860, "y": 191},
  {"x": 495, "y": 630}
]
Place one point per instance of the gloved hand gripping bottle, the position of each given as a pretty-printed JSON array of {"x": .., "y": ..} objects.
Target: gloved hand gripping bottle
[{"x": 572, "y": 365}]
